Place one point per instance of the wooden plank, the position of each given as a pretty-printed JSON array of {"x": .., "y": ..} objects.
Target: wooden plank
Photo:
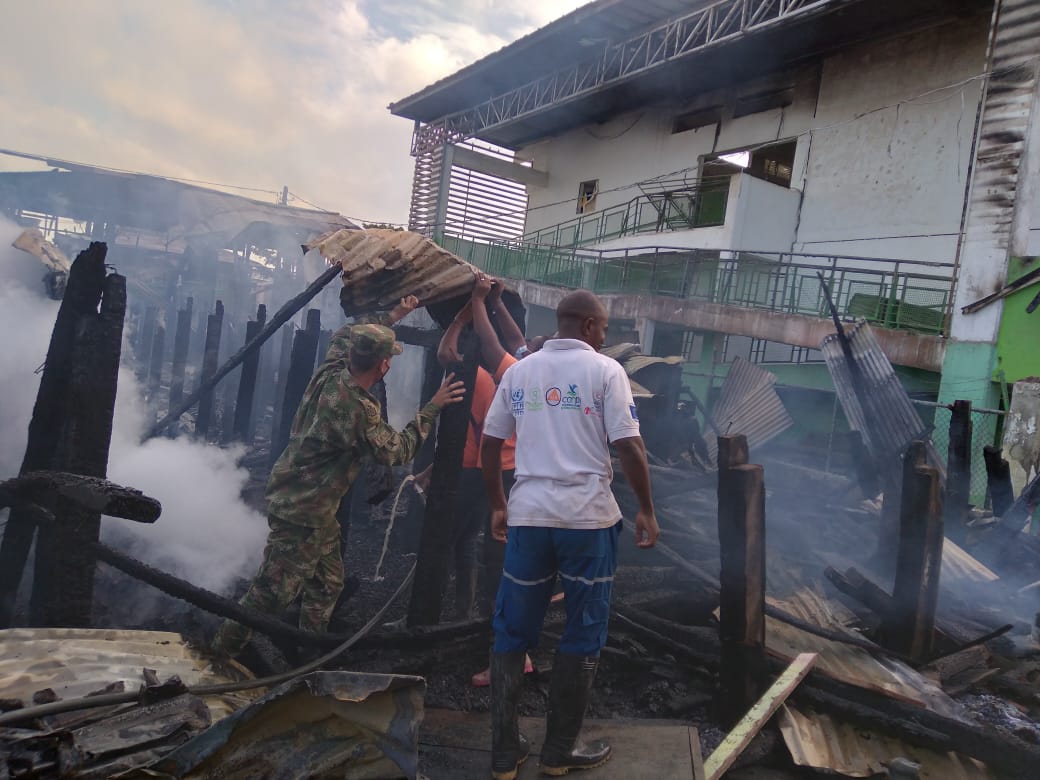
[
  {"x": 181, "y": 339},
  {"x": 696, "y": 759},
  {"x": 757, "y": 717},
  {"x": 210, "y": 355},
  {"x": 998, "y": 477},
  {"x": 958, "y": 472}
]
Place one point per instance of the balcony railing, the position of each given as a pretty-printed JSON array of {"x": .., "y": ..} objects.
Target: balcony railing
[
  {"x": 899, "y": 294},
  {"x": 687, "y": 206}
]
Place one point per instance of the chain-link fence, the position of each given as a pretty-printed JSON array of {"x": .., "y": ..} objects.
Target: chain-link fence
[{"x": 986, "y": 428}]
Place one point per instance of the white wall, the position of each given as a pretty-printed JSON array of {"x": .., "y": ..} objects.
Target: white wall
[
  {"x": 886, "y": 178},
  {"x": 879, "y": 180}
]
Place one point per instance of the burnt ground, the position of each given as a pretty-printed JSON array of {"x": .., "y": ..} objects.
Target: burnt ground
[{"x": 638, "y": 677}]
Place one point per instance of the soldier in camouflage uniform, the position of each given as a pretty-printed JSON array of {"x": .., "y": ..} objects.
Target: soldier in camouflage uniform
[{"x": 337, "y": 425}]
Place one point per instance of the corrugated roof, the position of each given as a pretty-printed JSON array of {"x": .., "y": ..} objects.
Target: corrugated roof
[{"x": 748, "y": 405}]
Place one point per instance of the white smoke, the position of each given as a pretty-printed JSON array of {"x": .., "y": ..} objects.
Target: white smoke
[{"x": 206, "y": 534}]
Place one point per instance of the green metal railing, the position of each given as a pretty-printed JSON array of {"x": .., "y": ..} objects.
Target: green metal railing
[
  {"x": 899, "y": 294},
  {"x": 686, "y": 207}
]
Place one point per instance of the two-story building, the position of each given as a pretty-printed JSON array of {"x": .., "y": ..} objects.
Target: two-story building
[{"x": 700, "y": 164}]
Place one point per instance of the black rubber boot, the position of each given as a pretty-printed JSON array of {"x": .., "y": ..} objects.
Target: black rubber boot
[
  {"x": 569, "y": 690},
  {"x": 509, "y": 748}
]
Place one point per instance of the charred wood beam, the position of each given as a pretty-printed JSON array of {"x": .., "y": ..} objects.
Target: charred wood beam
[
  {"x": 998, "y": 478},
  {"x": 911, "y": 622},
  {"x": 243, "y": 423},
  {"x": 742, "y": 577},
  {"x": 958, "y": 472},
  {"x": 85, "y": 286},
  {"x": 91, "y": 493},
  {"x": 282, "y": 316},
  {"x": 284, "y": 357},
  {"x": 440, "y": 522},
  {"x": 301, "y": 369},
  {"x": 181, "y": 342},
  {"x": 155, "y": 361},
  {"x": 144, "y": 341},
  {"x": 210, "y": 354},
  {"x": 418, "y": 337}
]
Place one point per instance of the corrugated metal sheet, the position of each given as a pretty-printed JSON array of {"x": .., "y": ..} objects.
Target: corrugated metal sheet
[
  {"x": 748, "y": 405},
  {"x": 847, "y": 663},
  {"x": 820, "y": 741},
  {"x": 382, "y": 266},
  {"x": 890, "y": 422},
  {"x": 76, "y": 661}
]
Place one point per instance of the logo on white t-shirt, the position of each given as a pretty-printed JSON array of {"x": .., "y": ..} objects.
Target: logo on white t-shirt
[
  {"x": 572, "y": 398},
  {"x": 597, "y": 405},
  {"x": 534, "y": 399},
  {"x": 553, "y": 396},
  {"x": 518, "y": 401}
]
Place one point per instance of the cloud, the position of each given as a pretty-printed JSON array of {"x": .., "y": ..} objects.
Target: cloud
[{"x": 254, "y": 93}]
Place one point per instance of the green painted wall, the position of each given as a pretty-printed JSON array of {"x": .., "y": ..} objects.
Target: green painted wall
[{"x": 1018, "y": 345}]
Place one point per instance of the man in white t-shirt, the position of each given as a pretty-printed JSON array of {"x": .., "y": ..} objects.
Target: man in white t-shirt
[{"x": 564, "y": 404}]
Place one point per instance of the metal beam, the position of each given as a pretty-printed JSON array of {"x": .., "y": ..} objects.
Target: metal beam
[
  {"x": 493, "y": 166},
  {"x": 698, "y": 31}
]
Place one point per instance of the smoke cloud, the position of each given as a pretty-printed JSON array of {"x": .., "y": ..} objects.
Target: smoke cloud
[{"x": 206, "y": 534}]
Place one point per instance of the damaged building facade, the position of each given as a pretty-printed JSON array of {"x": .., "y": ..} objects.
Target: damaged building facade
[{"x": 699, "y": 163}]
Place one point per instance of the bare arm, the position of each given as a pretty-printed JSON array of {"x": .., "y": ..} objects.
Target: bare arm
[
  {"x": 448, "y": 349},
  {"x": 408, "y": 304},
  {"x": 491, "y": 467},
  {"x": 512, "y": 338},
  {"x": 490, "y": 348},
  {"x": 632, "y": 454}
]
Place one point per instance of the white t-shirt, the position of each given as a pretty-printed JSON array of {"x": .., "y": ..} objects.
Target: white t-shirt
[{"x": 564, "y": 403}]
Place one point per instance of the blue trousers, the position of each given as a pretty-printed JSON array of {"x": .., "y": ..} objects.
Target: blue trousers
[{"x": 584, "y": 560}]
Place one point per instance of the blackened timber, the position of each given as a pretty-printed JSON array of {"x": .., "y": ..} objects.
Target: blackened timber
[
  {"x": 155, "y": 361},
  {"x": 440, "y": 521},
  {"x": 243, "y": 425},
  {"x": 62, "y": 593},
  {"x": 282, "y": 316},
  {"x": 958, "y": 471},
  {"x": 301, "y": 368},
  {"x": 911, "y": 625},
  {"x": 284, "y": 357},
  {"x": 40, "y": 487},
  {"x": 324, "y": 337},
  {"x": 742, "y": 624},
  {"x": 146, "y": 335},
  {"x": 998, "y": 478},
  {"x": 214, "y": 326},
  {"x": 84, "y": 288},
  {"x": 419, "y": 337},
  {"x": 181, "y": 341}
]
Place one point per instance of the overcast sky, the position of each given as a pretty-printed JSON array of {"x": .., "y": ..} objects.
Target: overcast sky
[{"x": 249, "y": 92}]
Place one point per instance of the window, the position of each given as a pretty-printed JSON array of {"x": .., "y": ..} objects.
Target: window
[
  {"x": 773, "y": 163},
  {"x": 587, "y": 196},
  {"x": 694, "y": 119}
]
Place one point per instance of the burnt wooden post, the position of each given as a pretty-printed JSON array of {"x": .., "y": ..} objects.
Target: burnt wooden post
[
  {"x": 214, "y": 325},
  {"x": 284, "y": 357},
  {"x": 998, "y": 478},
  {"x": 742, "y": 578},
  {"x": 181, "y": 341},
  {"x": 144, "y": 342},
  {"x": 53, "y": 403},
  {"x": 958, "y": 471},
  {"x": 63, "y": 584},
  {"x": 243, "y": 423},
  {"x": 155, "y": 361},
  {"x": 440, "y": 519},
  {"x": 911, "y": 622},
  {"x": 324, "y": 337},
  {"x": 301, "y": 368}
]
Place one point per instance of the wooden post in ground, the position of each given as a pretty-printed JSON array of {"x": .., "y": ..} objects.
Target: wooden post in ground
[
  {"x": 181, "y": 341},
  {"x": 998, "y": 477},
  {"x": 144, "y": 342},
  {"x": 301, "y": 369},
  {"x": 155, "y": 361},
  {"x": 958, "y": 472},
  {"x": 440, "y": 519},
  {"x": 742, "y": 578},
  {"x": 243, "y": 423},
  {"x": 324, "y": 337},
  {"x": 910, "y": 626},
  {"x": 284, "y": 358},
  {"x": 210, "y": 355}
]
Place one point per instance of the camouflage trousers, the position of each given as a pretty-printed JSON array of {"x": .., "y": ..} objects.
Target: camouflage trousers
[{"x": 298, "y": 561}]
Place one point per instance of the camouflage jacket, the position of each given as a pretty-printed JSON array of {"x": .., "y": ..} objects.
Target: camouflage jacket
[{"x": 337, "y": 425}]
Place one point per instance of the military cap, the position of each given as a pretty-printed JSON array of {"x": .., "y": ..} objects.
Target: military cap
[{"x": 376, "y": 340}]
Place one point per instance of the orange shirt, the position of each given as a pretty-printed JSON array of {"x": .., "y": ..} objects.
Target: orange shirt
[{"x": 483, "y": 393}]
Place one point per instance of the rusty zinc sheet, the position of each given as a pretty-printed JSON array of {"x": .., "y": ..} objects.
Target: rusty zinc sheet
[
  {"x": 382, "y": 266},
  {"x": 346, "y": 725},
  {"x": 74, "y": 662},
  {"x": 748, "y": 405},
  {"x": 888, "y": 432},
  {"x": 818, "y": 740}
]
